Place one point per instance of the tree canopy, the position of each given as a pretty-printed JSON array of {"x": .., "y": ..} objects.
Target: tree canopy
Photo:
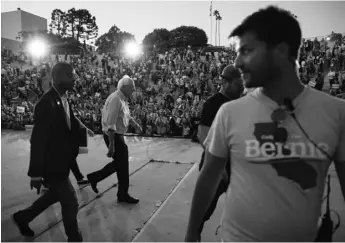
[
  {"x": 75, "y": 23},
  {"x": 182, "y": 36},
  {"x": 113, "y": 40},
  {"x": 56, "y": 43}
]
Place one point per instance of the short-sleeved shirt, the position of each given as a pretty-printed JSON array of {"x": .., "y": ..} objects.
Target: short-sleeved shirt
[
  {"x": 276, "y": 190},
  {"x": 209, "y": 111},
  {"x": 210, "y": 108}
]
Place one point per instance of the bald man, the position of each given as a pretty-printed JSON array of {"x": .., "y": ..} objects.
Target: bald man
[
  {"x": 231, "y": 88},
  {"x": 115, "y": 120},
  {"x": 54, "y": 149}
]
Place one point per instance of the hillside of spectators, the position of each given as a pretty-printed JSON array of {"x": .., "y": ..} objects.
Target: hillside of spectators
[{"x": 171, "y": 87}]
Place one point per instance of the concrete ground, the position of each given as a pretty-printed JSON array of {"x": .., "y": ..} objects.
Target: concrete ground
[
  {"x": 164, "y": 186},
  {"x": 170, "y": 221},
  {"x": 100, "y": 219}
]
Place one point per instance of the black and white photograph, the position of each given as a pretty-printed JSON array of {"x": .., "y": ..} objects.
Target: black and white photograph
[{"x": 172, "y": 121}]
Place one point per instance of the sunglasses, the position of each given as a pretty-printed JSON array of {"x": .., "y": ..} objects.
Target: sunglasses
[
  {"x": 226, "y": 78},
  {"x": 280, "y": 134}
]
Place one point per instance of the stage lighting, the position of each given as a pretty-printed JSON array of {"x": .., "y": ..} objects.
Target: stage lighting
[
  {"x": 133, "y": 49},
  {"x": 37, "y": 48}
]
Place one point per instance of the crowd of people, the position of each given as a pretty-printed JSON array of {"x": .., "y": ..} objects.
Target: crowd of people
[
  {"x": 318, "y": 59},
  {"x": 170, "y": 87}
]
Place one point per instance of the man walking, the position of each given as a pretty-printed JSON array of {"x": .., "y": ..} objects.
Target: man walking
[
  {"x": 231, "y": 89},
  {"x": 115, "y": 120},
  {"x": 280, "y": 139},
  {"x": 54, "y": 148}
]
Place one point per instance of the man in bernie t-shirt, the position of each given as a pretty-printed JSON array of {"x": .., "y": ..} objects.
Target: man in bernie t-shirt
[{"x": 280, "y": 139}]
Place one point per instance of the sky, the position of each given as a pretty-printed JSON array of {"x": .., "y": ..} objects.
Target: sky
[{"x": 317, "y": 18}]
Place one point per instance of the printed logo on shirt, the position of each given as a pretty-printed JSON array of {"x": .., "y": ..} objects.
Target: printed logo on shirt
[{"x": 289, "y": 159}]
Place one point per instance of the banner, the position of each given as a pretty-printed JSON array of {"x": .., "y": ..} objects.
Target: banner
[
  {"x": 312, "y": 84},
  {"x": 20, "y": 109},
  {"x": 335, "y": 86}
]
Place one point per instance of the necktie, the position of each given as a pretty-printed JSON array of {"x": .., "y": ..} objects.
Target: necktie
[{"x": 66, "y": 107}]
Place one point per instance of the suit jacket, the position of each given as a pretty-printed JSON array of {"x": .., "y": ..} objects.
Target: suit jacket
[{"x": 53, "y": 145}]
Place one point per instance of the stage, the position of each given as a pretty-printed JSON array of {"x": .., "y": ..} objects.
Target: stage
[
  {"x": 156, "y": 167},
  {"x": 163, "y": 172}
]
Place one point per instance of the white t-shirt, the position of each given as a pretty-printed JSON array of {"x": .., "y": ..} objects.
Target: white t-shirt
[{"x": 260, "y": 204}]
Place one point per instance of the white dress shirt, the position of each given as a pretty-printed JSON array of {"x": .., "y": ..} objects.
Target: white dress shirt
[
  {"x": 66, "y": 107},
  {"x": 115, "y": 113}
]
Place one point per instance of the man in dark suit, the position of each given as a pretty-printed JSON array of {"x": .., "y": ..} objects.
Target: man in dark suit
[{"x": 54, "y": 149}]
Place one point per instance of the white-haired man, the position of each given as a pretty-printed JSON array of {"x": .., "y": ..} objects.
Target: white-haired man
[{"x": 115, "y": 120}]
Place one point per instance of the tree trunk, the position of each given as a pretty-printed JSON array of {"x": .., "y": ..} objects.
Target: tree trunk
[
  {"x": 72, "y": 30},
  {"x": 216, "y": 34},
  {"x": 211, "y": 30},
  {"x": 58, "y": 27},
  {"x": 219, "y": 32}
]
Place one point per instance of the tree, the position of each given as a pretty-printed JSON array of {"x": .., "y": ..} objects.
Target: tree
[
  {"x": 336, "y": 37},
  {"x": 216, "y": 14},
  {"x": 58, "y": 22},
  {"x": 158, "y": 38},
  {"x": 188, "y": 35},
  {"x": 219, "y": 18},
  {"x": 70, "y": 19},
  {"x": 125, "y": 37},
  {"x": 81, "y": 24},
  {"x": 113, "y": 40},
  {"x": 25, "y": 36},
  {"x": 56, "y": 43}
]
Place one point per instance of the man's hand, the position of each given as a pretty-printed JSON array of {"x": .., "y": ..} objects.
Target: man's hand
[
  {"x": 139, "y": 127},
  {"x": 36, "y": 183},
  {"x": 111, "y": 151},
  {"x": 90, "y": 133}
]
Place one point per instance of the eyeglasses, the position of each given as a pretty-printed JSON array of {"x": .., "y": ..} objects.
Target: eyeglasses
[
  {"x": 224, "y": 77},
  {"x": 280, "y": 134}
]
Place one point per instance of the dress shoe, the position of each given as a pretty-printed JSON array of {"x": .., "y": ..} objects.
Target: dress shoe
[
  {"x": 93, "y": 185},
  {"x": 24, "y": 228},
  {"x": 127, "y": 199},
  {"x": 83, "y": 182}
]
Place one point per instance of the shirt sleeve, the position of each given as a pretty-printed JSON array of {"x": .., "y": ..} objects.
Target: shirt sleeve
[
  {"x": 217, "y": 140},
  {"x": 112, "y": 112},
  {"x": 207, "y": 115}
]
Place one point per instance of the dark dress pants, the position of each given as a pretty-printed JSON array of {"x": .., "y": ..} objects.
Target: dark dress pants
[
  {"x": 64, "y": 193},
  {"x": 119, "y": 165}
]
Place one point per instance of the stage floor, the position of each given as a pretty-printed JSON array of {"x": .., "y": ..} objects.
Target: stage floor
[
  {"x": 101, "y": 219},
  {"x": 164, "y": 186}
]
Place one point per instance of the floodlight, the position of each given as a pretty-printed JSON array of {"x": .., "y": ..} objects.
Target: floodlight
[
  {"x": 132, "y": 49},
  {"x": 37, "y": 48}
]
